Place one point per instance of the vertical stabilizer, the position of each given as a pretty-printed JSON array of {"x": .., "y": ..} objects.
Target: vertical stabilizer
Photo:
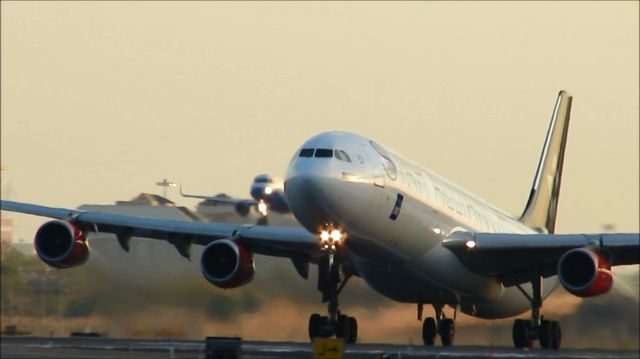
[{"x": 541, "y": 209}]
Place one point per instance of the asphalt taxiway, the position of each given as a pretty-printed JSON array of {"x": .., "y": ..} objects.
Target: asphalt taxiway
[{"x": 66, "y": 348}]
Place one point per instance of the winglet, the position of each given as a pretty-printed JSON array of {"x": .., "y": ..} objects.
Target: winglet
[{"x": 540, "y": 211}]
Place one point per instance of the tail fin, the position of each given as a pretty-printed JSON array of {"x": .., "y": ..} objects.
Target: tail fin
[{"x": 541, "y": 209}]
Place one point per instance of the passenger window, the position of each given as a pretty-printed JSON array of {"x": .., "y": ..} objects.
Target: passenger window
[
  {"x": 324, "y": 153},
  {"x": 306, "y": 152}
]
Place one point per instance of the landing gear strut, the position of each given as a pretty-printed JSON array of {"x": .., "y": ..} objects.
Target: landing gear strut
[
  {"x": 332, "y": 277},
  {"x": 525, "y": 332},
  {"x": 441, "y": 325}
]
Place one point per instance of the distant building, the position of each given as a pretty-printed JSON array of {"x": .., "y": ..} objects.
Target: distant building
[
  {"x": 149, "y": 200},
  {"x": 6, "y": 232},
  {"x": 6, "y": 235}
]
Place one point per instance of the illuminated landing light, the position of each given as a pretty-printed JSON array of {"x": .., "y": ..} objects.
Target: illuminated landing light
[
  {"x": 437, "y": 230},
  {"x": 336, "y": 235},
  {"x": 268, "y": 190},
  {"x": 262, "y": 208},
  {"x": 470, "y": 244},
  {"x": 330, "y": 238}
]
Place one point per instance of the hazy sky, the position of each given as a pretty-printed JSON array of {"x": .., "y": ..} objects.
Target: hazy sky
[{"x": 102, "y": 99}]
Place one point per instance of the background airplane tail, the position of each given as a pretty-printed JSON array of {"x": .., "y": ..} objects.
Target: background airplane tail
[{"x": 540, "y": 211}]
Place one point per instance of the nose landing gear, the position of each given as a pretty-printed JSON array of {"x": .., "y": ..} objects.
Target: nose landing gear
[{"x": 333, "y": 274}]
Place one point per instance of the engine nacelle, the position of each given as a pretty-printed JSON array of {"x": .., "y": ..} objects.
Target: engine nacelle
[
  {"x": 226, "y": 264},
  {"x": 61, "y": 244},
  {"x": 242, "y": 209},
  {"x": 585, "y": 273}
]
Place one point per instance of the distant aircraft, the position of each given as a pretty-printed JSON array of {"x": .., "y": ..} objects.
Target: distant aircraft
[
  {"x": 410, "y": 234},
  {"x": 267, "y": 194}
]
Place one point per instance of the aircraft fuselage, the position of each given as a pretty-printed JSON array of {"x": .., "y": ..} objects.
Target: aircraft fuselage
[{"x": 395, "y": 215}]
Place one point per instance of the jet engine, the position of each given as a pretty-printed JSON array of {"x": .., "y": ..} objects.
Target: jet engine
[
  {"x": 226, "y": 264},
  {"x": 61, "y": 244},
  {"x": 584, "y": 272},
  {"x": 242, "y": 208}
]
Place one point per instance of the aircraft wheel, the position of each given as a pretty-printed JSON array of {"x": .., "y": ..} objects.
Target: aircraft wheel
[
  {"x": 429, "y": 331},
  {"x": 550, "y": 334},
  {"x": 316, "y": 326},
  {"x": 521, "y": 329},
  {"x": 353, "y": 330},
  {"x": 343, "y": 330},
  {"x": 447, "y": 331}
]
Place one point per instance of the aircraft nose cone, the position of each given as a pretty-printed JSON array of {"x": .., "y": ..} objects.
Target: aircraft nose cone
[
  {"x": 307, "y": 196},
  {"x": 257, "y": 192}
]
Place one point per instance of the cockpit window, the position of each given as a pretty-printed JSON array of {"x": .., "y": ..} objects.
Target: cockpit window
[
  {"x": 387, "y": 163},
  {"x": 342, "y": 156},
  {"x": 263, "y": 179},
  {"x": 324, "y": 153},
  {"x": 306, "y": 152}
]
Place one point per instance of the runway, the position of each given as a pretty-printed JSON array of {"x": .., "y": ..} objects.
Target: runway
[{"x": 103, "y": 348}]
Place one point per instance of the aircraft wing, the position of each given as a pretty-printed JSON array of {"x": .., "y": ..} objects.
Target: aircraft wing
[
  {"x": 513, "y": 257},
  {"x": 274, "y": 241},
  {"x": 221, "y": 199}
]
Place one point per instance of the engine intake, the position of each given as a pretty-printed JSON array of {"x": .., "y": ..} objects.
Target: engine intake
[
  {"x": 585, "y": 273},
  {"x": 61, "y": 244},
  {"x": 226, "y": 264}
]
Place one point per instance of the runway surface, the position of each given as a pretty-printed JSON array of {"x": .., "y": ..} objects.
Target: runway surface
[{"x": 66, "y": 348}]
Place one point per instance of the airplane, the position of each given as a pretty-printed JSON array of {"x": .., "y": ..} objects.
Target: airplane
[
  {"x": 267, "y": 194},
  {"x": 410, "y": 234}
]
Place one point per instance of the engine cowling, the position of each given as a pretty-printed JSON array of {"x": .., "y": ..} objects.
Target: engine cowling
[
  {"x": 61, "y": 244},
  {"x": 585, "y": 273},
  {"x": 226, "y": 264},
  {"x": 242, "y": 209}
]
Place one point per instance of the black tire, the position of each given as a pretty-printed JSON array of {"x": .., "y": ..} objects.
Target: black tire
[
  {"x": 550, "y": 334},
  {"x": 521, "y": 334},
  {"x": 556, "y": 335},
  {"x": 343, "y": 329},
  {"x": 447, "y": 331},
  {"x": 315, "y": 326},
  {"x": 353, "y": 330},
  {"x": 429, "y": 331},
  {"x": 545, "y": 334}
]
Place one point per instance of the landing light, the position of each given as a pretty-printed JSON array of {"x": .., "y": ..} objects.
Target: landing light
[
  {"x": 336, "y": 235},
  {"x": 262, "y": 208},
  {"x": 268, "y": 190},
  {"x": 471, "y": 244},
  {"x": 331, "y": 238}
]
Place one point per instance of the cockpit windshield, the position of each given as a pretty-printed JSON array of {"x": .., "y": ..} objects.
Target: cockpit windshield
[
  {"x": 263, "y": 179},
  {"x": 325, "y": 153}
]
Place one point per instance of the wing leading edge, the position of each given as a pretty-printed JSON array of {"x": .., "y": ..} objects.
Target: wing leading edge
[
  {"x": 513, "y": 257},
  {"x": 273, "y": 241}
]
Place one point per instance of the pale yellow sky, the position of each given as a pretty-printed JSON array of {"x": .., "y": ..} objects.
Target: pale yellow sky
[{"x": 102, "y": 99}]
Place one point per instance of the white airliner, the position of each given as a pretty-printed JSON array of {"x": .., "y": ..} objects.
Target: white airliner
[
  {"x": 267, "y": 194},
  {"x": 410, "y": 234}
]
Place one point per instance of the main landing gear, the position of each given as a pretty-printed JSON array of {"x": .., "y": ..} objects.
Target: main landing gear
[
  {"x": 525, "y": 332},
  {"x": 440, "y": 325},
  {"x": 333, "y": 275}
]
